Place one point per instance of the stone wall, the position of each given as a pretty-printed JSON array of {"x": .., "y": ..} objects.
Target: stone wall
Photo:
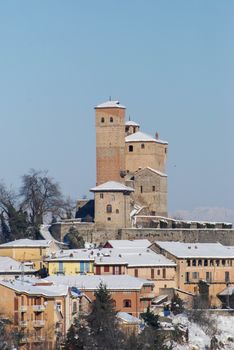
[{"x": 224, "y": 236}]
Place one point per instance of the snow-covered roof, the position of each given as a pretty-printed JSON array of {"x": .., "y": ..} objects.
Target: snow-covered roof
[
  {"x": 25, "y": 242},
  {"x": 9, "y": 265},
  {"x": 151, "y": 169},
  {"x": 110, "y": 104},
  {"x": 112, "y": 186},
  {"x": 125, "y": 317},
  {"x": 31, "y": 288},
  {"x": 147, "y": 259},
  {"x": 196, "y": 250},
  {"x": 92, "y": 282},
  {"x": 125, "y": 243},
  {"x": 142, "y": 137},
  {"x": 131, "y": 123},
  {"x": 73, "y": 255}
]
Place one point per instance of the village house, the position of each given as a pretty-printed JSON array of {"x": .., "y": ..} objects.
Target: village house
[
  {"x": 210, "y": 262},
  {"x": 129, "y": 294},
  {"x": 41, "y": 310},
  {"x": 29, "y": 250},
  {"x": 11, "y": 268}
]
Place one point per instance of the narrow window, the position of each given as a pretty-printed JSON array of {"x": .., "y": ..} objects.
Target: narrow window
[
  {"x": 106, "y": 268},
  {"x": 141, "y": 189},
  {"x": 136, "y": 272},
  {"x": 187, "y": 277},
  {"x": 188, "y": 263},
  {"x": 217, "y": 262},
  {"x": 142, "y": 146},
  {"x": 194, "y": 262},
  {"x": 130, "y": 148},
  {"x": 117, "y": 211},
  {"x": 164, "y": 273},
  {"x": 199, "y": 262},
  {"x": 205, "y": 262},
  {"x": 101, "y": 195},
  {"x": 109, "y": 208},
  {"x": 111, "y": 119},
  {"x": 158, "y": 272},
  {"x": 152, "y": 274},
  {"x": 153, "y": 188},
  {"x": 227, "y": 277},
  {"x": 102, "y": 120},
  {"x": 223, "y": 262}
]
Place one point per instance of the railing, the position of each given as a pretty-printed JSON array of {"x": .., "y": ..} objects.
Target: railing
[
  {"x": 38, "y": 339},
  {"x": 38, "y": 323},
  {"x": 23, "y": 340},
  {"x": 38, "y": 308},
  {"x": 23, "y": 323}
]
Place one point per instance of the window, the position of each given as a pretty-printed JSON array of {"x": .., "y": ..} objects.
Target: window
[
  {"x": 102, "y": 120},
  {"x": 195, "y": 275},
  {"x": 109, "y": 208},
  {"x": 117, "y": 211},
  {"x": 136, "y": 272},
  {"x": 217, "y": 262},
  {"x": 108, "y": 219},
  {"x": 111, "y": 119},
  {"x": 152, "y": 273},
  {"x": 153, "y": 188},
  {"x": 227, "y": 277},
  {"x": 127, "y": 303},
  {"x": 223, "y": 262},
  {"x": 208, "y": 276},
  {"x": 194, "y": 262},
  {"x": 74, "y": 307},
  {"x": 113, "y": 303},
  {"x": 188, "y": 263},
  {"x": 158, "y": 272},
  {"x": 142, "y": 146},
  {"x": 199, "y": 262},
  {"x": 211, "y": 262},
  {"x": 101, "y": 195},
  {"x": 130, "y": 148},
  {"x": 205, "y": 262},
  {"x": 164, "y": 273},
  {"x": 187, "y": 277},
  {"x": 106, "y": 268},
  {"x": 141, "y": 189}
]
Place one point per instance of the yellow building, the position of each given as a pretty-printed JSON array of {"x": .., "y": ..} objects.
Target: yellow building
[
  {"x": 70, "y": 262},
  {"x": 210, "y": 262},
  {"x": 29, "y": 250}
]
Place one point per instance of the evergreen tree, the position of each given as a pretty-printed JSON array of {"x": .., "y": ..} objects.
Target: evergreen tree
[
  {"x": 74, "y": 239},
  {"x": 177, "y": 305},
  {"x": 150, "y": 318}
]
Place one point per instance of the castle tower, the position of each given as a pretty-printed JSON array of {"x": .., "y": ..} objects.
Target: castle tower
[{"x": 110, "y": 142}]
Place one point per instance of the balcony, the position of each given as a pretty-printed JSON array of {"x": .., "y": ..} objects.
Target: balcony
[
  {"x": 23, "y": 324},
  {"x": 23, "y": 308},
  {"x": 38, "y": 308},
  {"x": 38, "y": 339},
  {"x": 23, "y": 340},
  {"x": 38, "y": 323}
]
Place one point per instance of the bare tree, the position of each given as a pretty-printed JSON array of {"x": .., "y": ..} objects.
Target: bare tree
[{"x": 41, "y": 195}]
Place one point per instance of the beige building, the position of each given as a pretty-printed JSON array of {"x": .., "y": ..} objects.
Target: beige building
[
  {"x": 210, "y": 262},
  {"x": 112, "y": 205},
  {"x": 29, "y": 250},
  {"x": 126, "y": 155}
]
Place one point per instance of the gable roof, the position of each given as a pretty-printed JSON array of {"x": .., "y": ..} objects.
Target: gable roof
[
  {"x": 197, "y": 250},
  {"x": 131, "y": 123},
  {"x": 151, "y": 169},
  {"x": 25, "y": 242},
  {"x": 142, "y": 137},
  {"x": 110, "y": 104},
  {"x": 112, "y": 186}
]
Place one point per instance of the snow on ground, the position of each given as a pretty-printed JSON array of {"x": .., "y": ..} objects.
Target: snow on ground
[{"x": 200, "y": 340}]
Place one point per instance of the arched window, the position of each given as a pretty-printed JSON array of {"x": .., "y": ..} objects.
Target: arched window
[
  {"x": 102, "y": 120},
  {"x": 130, "y": 148},
  {"x": 111, "y": 119},
  {"x": 109, "y": 208},
  {"x": 127, "y": 303}
]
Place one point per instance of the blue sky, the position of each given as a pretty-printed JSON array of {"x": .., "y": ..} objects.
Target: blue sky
[{"x": 169, "y": 62}]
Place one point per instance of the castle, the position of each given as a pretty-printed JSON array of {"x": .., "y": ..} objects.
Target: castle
[{"x": 130, "y": 170}]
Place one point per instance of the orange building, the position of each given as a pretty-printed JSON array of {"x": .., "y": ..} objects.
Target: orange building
[
  {"x": 210, "y": 262},
  {"x": 129, "y": 294}
]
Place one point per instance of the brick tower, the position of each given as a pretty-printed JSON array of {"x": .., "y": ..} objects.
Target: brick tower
[{"x": 110, "y": 142}]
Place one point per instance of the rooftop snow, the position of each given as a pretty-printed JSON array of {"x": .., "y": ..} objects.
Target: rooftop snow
[
  {"x": 112, "y": 186},
  {"x": 142, "y": 137},
  {"x": 25, "y": 242},
  {"x": 197, "y": 250},
  {"x": 9, "y": 265},
  {"x": 125, "y": 243},
  {"x": 92, "y": 282},
  {"x": 110, "y": 104},
  {"x": 153, "y": 170},
  {"x": 131, "y": 123},
  {"x": 30, "y": 288}
]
